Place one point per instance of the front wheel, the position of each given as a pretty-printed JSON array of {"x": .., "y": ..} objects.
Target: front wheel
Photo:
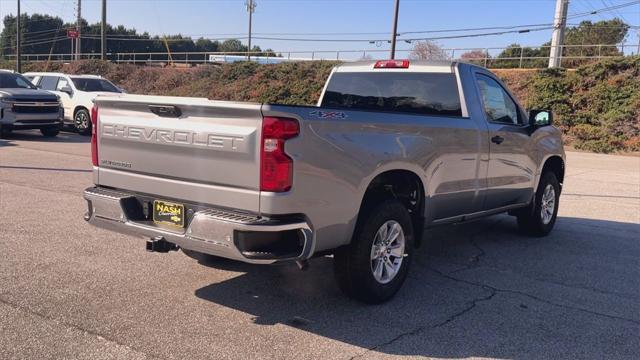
[
  {"x": 82, "y": 122},
  {"x": 375, "y": 265},
  {"x": 4, "y": 132},
  {"x": 539, "y": 217},
  {"x": 50, "y": 131}
]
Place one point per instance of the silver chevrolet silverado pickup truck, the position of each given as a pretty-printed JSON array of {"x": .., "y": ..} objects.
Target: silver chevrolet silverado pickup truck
[{"x": 392, "y": 147}]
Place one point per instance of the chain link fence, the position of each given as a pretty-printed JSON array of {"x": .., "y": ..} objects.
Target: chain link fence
[{"x": 491, "y": 57}]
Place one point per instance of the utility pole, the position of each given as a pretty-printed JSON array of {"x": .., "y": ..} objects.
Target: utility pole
[
  {"x": 557, "y": 40},
  {"x": 251, "y": 7},
  {"x": 18, "y": 42},
  {"x": 103, "y": 31},
  {"x": 78, "y": 26},
  {"x": 394, "y": 31}
]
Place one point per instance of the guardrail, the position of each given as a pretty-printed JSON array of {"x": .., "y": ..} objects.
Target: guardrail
[{"x": 517, "y": 57}]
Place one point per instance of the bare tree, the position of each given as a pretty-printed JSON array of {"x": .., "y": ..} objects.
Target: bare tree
[
  {"x": 428, "y": 50},
  {"x": 474, "y": 55},
  {"x": 478, "y": 57}
]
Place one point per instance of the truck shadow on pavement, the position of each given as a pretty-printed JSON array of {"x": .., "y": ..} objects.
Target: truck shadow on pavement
[
  {"x": 476, "y": 289},
  {"x": 35, "y": 136}
]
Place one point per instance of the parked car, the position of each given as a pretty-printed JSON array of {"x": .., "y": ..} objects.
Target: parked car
[
  {"x": 392, "y": 147},
  {"x": 76, "y": 92},
  {"x": 23, "y": 106}
]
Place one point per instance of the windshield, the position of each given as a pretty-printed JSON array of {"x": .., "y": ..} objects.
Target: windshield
[
  {"x": 14, "y": 81},
  {"x": 92, "y": 85}
]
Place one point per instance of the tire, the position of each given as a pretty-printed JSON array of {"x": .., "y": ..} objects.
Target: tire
[
  {"x": 532, "y": 220},
  {"x": 354, "y": 265},
  {"x": 4, "y": 132},
  {"x": 50, "y": 131},
  {"x": 82, "y": 122}
]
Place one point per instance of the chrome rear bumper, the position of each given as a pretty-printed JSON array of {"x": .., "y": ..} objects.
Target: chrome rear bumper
[{"x": 210, "y": 231}]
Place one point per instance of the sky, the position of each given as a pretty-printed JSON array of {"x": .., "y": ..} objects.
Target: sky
[{"x": 364, "y": 20}]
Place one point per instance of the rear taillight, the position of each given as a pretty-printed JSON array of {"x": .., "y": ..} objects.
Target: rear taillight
[
  {"x": 391, "y": 64},
  {"x": 276, "y": 167},
  {"x": 94, "y": 135}
]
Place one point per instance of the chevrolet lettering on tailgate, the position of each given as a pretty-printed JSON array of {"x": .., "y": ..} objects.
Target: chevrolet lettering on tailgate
[{"x": 184, "y": 138}]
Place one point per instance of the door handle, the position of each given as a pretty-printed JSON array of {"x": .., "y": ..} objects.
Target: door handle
[{"x": 497, "y": 139}]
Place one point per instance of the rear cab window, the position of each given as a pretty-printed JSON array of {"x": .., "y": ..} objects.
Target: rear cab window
[{"x": 404, "y": 92}]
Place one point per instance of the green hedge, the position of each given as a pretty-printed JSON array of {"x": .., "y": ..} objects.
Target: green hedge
[{"x": 596, "y": 106}]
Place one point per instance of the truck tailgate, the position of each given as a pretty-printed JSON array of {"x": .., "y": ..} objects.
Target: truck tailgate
[{"x": 190, "y": 149}]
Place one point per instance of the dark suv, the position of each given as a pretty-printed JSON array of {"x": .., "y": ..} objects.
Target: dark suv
[{"x": 23, "y": 106}]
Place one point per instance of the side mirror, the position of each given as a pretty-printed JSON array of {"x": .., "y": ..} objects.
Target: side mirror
[
  {"x": 67, "y": 89},
  {"x": 122, "y": 90},
  {"x": 540, "y": 118}
]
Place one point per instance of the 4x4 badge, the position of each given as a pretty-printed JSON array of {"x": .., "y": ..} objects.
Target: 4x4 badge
[{"x": 328, "y": 114}]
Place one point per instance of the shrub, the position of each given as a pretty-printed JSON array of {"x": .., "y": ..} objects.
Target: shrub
[{"x": 597, "y": 106}]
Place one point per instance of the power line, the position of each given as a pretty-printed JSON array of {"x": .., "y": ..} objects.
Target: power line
[
  {"x": 605, "y": 9},
  {"x": 210, "y": 36},
  {"x": 24, "y": 44},
  {"x": 506, "y": 27},
  {"x": 507, "y": 30},
  {"x": 618, "y": 13},
  {"x": 126, "y": 37},
  {"x": 338, "y": 40}
]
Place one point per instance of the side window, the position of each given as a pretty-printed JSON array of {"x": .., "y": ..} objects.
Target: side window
[
  {"x": 62, "y": 83},
  {"x": 498, "y": 105},
  {"x": 49, "y": 83}
]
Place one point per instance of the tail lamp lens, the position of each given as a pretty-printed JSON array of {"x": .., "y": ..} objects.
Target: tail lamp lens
[
  {"x": 94, "y": 135},
  {"x": 276, "y": 167}
]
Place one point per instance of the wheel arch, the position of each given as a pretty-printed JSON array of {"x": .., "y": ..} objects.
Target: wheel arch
[
  {"x": 555, "y": 164},
  {"x": 78, "y": 108},
  {"x": 396, "y": 183}
]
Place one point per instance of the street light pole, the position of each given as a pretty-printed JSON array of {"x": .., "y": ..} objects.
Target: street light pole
[
  {"x": 18, "y": 42},
  {"x": 557, "y": 40},
  {"x": 251, "y": 7},
  {"x": 78, "y": 26},
  {"x": 103, "y": 31},
  {"x": 394, "y": 32}
]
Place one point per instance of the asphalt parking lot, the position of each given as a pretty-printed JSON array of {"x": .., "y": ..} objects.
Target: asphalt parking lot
[{"x": 68, "y": 290}]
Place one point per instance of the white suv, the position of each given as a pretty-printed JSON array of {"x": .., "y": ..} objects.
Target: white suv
[{"x": 76, "y": 94}]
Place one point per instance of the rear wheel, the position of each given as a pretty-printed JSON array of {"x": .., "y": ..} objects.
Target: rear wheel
[
  {"x": 50, "y": 131},
  {"x": 539, "y": 217},
  {"x": 82, "y": 122},
  {"x": 375, "y": 265}
]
